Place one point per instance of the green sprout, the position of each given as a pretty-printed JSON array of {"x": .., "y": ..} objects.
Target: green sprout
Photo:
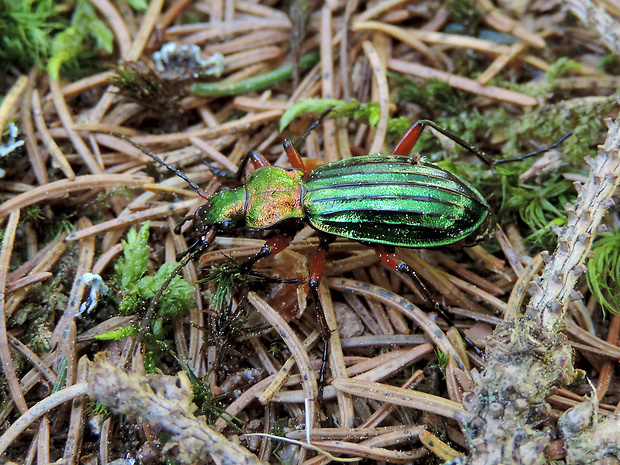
[
  {"x": 26, "y": 28},
  {"x": 69, "y": 44},
  {"x": 603, "y": 273},
  {"x": 367, "y": 113}
]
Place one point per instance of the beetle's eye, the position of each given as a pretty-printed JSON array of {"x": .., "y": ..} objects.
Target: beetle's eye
[{"x": 226, "y": 226}]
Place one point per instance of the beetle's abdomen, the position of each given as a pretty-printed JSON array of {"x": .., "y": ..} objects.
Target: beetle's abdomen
[{"x": 386, "y": 199}]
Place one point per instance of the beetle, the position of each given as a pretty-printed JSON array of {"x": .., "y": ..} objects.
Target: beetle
[{"x": 384, "y": 201}]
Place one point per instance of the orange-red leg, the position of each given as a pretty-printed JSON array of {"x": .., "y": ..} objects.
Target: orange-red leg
[
  {"x": 410, "y": 138},
  {"x": 257, "y": 160},
  {"x": 394, "y": 262},
  {"x": 316, "y": 274}
]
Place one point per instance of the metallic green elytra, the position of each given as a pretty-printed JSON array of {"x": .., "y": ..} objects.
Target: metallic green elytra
[
  {"x": 386, "y": 199},
  {"x": 376, "y": 199}
]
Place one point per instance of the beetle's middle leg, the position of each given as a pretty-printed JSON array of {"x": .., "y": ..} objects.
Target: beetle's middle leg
[
  {"x": 317, "y": 267},
  {"x": 393, "y": 261},
  {"x": 270, "y": 247}
]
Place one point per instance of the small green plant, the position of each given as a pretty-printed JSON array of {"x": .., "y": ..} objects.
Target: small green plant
[
  {"x": 442, "y": 362},
  {"x": 367, "y": 113},
  {"x": 140, "y": 84},
  {"x": 138, "y": 288},
  {"x": 540, "y": 206},
  {"x": 69, "y": 44},
  {"x": 95, "y": 408},
  {"x": 603, "y": 273},
  {"x": 25, "y": 31},
  {"x": 434, "y": 94}
]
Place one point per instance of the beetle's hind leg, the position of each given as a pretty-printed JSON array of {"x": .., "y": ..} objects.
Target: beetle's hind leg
[{"x": 394, "y": 262}]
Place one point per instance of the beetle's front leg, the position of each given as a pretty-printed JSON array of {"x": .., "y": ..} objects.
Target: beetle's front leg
[{"x": 257, "y": 159}]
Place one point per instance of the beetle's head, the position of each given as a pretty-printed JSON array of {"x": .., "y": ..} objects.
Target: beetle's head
[{"x": 225, "y": 211}]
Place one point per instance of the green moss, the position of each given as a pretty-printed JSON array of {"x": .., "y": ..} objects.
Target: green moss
[
  {"x": 465, "y": 14},
  {"x": 433, "y": 94},
  {"x": 41, "y": 33},
  {"x": 137, "y": 287},
  {"x": 603, "y": 273}
]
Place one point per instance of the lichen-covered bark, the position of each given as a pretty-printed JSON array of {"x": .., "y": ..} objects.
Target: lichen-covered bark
[
  {"x": 506, "y": 416},
  {"x": 166, "y": 403}
]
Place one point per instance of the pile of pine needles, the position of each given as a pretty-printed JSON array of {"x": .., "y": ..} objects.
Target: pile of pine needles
[{"x": 226, "y": 370}]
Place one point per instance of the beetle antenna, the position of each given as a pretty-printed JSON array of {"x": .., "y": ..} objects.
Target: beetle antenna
[
  {"x": 537, "y": 152},
  {"x": 476, "y": 151},
  {"x": 311, "y": 128},
  {"x": 162, "y": 162}
]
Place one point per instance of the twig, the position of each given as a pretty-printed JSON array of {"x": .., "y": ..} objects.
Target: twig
[
  {"x": 58, "y": 189},
  {"x": 378, "y": 71},
  {"x": 11, "y": 99},
  {"x": 5, "y": 354},
  {"x": 402, "y": 305},
  {"x": 528, "y": 356},
  {"x": 461, "y": 82},
  {"x": 399, "y": 396},
  {"x": 147, "y": 23},
  {"x": 67, "y": 122},
  {"x": 165, "y": 402}
]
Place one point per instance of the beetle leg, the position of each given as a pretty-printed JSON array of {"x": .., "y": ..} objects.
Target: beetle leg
[
  {"x": 299, "y": 162},
  {"x": 408, "y": 140},
  {"x": 271, "y": 279},
  {"x": 394, "y": 262},
  {"x": 271, "y": 247},
  {"x": 257, "y": 159},
  {"x": 293, "y": 155},
  {"x": 179, "y": 226},
  {"x": 316, "y": 274},
  {"x": 411, "y": 136}
]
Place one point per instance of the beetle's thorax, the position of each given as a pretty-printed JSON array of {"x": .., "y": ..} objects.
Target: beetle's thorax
[
  {"x": 273, "y": 196},
  {"x": 270, "y": 196}
]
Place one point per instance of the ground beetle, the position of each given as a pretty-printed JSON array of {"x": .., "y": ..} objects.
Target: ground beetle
[{"x": 385, "y": 201}]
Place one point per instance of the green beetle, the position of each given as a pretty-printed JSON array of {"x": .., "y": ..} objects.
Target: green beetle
[{"x": 385, "y": 201}]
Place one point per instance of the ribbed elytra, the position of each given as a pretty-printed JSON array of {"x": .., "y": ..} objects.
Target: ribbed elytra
[{"x": 387, "y": 199}]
